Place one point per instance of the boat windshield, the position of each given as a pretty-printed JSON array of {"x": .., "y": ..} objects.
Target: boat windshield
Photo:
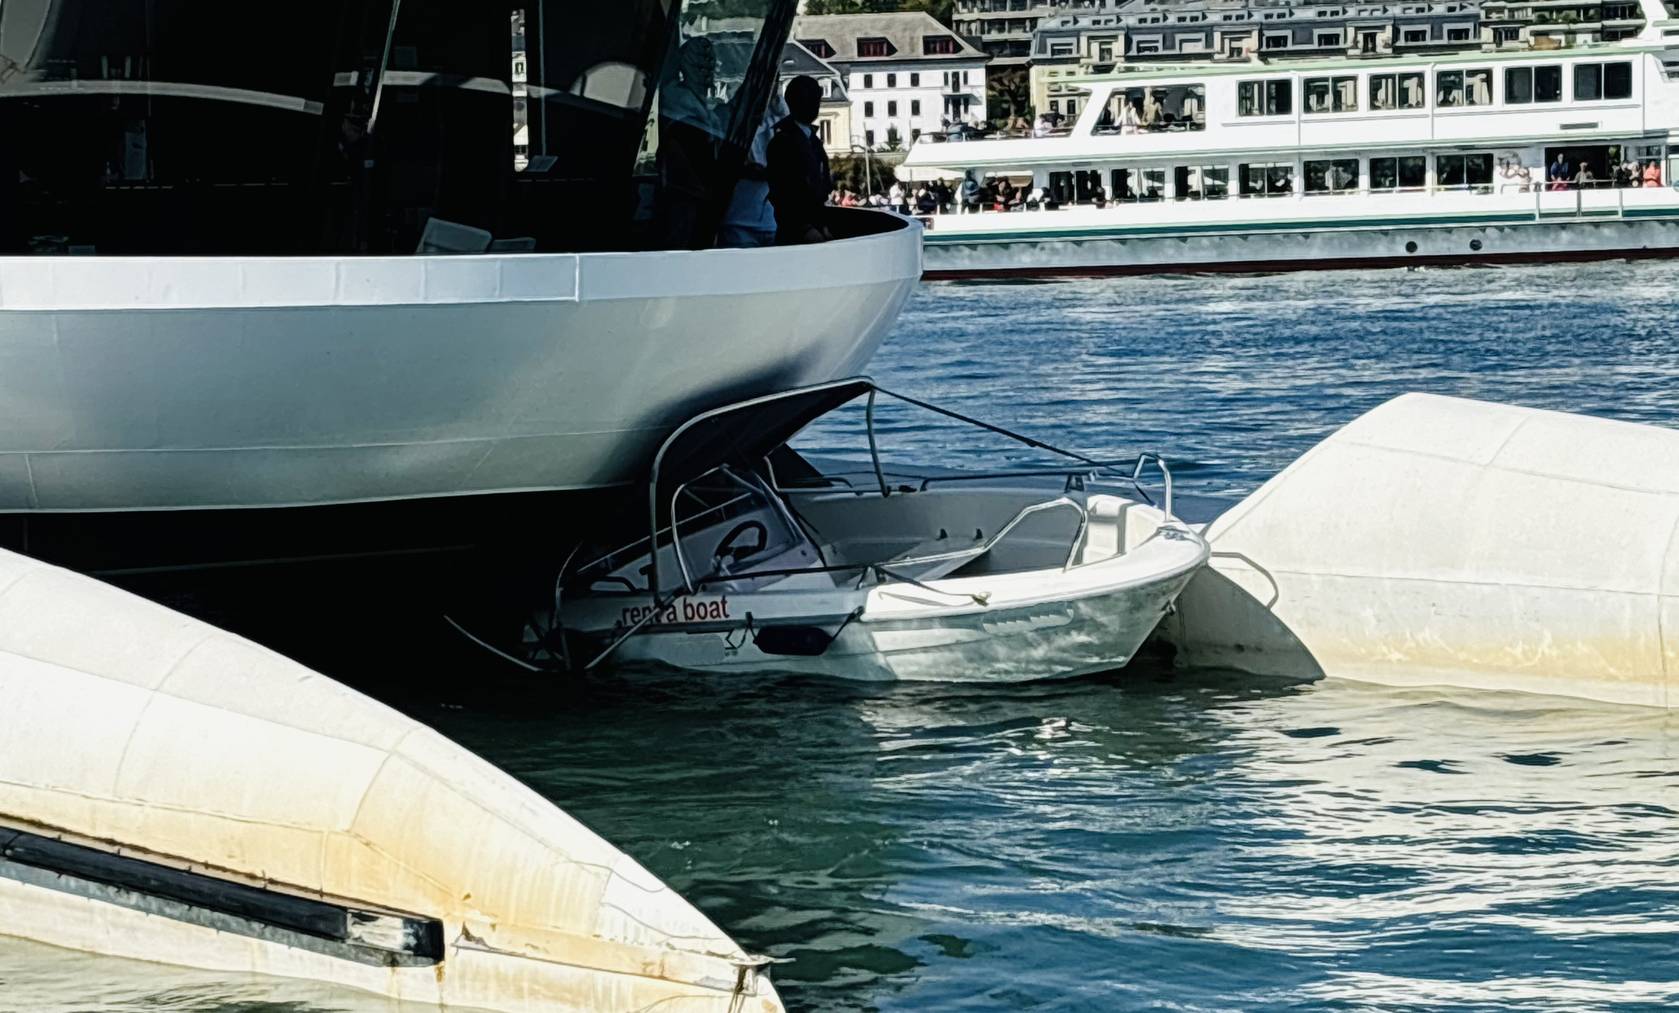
[{"x": 160, "y": 127}]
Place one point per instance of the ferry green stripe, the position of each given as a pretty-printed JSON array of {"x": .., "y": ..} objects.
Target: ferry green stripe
[{"x": 934, "y": 238}]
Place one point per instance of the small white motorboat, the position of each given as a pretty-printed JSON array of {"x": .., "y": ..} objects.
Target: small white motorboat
[{"x": 757, "y": 561}]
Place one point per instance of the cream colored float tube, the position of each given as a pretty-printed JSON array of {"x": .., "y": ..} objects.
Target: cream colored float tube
[
  {"x": 1452, "y": 542},
  {"x": 127, "y": 723}
]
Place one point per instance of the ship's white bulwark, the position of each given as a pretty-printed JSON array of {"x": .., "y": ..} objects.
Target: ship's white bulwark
[
  {"x": 1438, "y": 541},
  {"x": 182, "y": 383},
  {"x": 133, "y": 727}
]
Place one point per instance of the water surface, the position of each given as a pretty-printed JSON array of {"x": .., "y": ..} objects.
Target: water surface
[{"x": 1155, "y": 838}]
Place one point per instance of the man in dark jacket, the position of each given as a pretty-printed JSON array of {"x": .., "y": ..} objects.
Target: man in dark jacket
[{"x": 798, "y": 167}]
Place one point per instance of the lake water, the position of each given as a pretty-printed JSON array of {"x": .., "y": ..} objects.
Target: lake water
[{"x": 1155, "y": 838}]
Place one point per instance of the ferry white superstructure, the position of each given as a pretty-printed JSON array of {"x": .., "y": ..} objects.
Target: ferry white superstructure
[{"x": 1334, "y": 163}]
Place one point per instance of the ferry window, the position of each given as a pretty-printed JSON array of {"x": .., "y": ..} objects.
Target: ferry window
[
  {"x": 1139, "y": 110},
  {"x": 1462, "y": 172},
  {"x": 1265, "y": 98},
  {"x": 1061, "y": 187},
  {"x": 1139, "y": 184},
  {"x": 1477, "y": 87},
  {"x": 1407, "y": 172},
  {"x": 1455, "y": 88},
  {"x": 1617, "y": 80},
  {"x": 1331, "y": 175},
  {"x": 1547, "y": 83},
  {"x": 1398, "y": 91},
  {"x": 1331, "y": 94},
  {"x": 1202, "y": 182},
  {"x": 1267, "y": 180},
  {"x": 1518, "y": 85},
  {"x": 1593, "y": 81}
]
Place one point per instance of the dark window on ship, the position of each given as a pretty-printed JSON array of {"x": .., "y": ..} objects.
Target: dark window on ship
[
  {"x": 1533, "y": 84},
  {"x": 1274, "y": 179},
  {"x": 1407, "y": 172},
  {"x": 1331, "y": 94},
  {"x": 1594, "y": 81},
  {"x": 1061, "y": 187},
  {"x": 1337, "y": 175},
  {"x": 1398, "y": 91},
  {"x": 1464, "y": 172},
  {"x": 1518, "y": 85},
  {"x": 1201, "y": 182},
  {"x": 1265, "y": 98}
]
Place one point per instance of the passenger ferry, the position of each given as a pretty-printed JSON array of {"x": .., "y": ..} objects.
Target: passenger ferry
[{"x": 1497, "y": 156}]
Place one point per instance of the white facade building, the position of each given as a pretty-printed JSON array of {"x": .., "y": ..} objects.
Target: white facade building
[{"x": 907, "y": 75}]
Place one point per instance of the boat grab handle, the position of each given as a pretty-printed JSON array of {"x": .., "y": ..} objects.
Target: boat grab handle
[{"x": 1166, "y": 476}]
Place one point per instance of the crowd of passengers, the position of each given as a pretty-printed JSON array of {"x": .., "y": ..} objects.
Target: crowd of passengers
[
  {"x": 1563, "y": 175},
  {"x": 939, "y": 197}
]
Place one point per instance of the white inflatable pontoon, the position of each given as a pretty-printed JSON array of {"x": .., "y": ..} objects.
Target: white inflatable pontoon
[
  {"x": 1447, "y": 542},
  {"x": 172, "y": 793},
  {"x": 762, "y": 563}
]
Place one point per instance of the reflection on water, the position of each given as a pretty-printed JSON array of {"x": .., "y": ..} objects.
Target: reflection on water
[{"x": 1154, "y": 838}]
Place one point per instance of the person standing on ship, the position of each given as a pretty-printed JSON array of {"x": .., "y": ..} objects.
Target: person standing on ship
[
  {"x": 1584, "y": 179},
  {"x": 1129, "y": 122},
  {"x": 970, "y": 193},
  {"x": 1151, "y": 111},
  {"x": 1559, "y": 173},
  {"x": 798, "y": 167},
  {"x": 750, "y": 219}
]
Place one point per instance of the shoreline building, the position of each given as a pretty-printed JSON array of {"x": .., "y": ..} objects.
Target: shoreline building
[
  {"x": 906, "y": 74},
  {"x": 1130, "y": 32},
  {"x": 1003, "y": 29}
]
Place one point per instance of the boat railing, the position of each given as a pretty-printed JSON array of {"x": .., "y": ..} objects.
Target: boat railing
[{"x": 1166, "y": 480}]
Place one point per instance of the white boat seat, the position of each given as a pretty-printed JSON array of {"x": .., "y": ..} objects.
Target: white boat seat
[{"x": 958, "y": 553}]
